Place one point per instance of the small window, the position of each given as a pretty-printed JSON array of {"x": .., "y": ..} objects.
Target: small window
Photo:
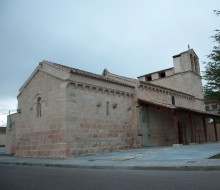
[
  {"x": 173, "y": 100},
  {"x": 162, "y": 75},
  {"x": 148, "y": 78},
  {"x": 192, "y": 63},
  {"x": 214, "y": 107},
  {"x": 38, "y": 107},
  {"x": 195, "y": 64},
  {"x": 207, "y": 108}
]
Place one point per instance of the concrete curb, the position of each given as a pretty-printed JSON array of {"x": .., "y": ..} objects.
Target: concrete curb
[
  {"x": 112, "y": 167},
  {"x": 185, "y": 158}
]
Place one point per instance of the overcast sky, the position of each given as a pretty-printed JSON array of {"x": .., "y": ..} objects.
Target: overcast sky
[{"x": 128, "y": 37}]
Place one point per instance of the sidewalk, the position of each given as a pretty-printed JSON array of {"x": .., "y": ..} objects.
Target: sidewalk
[{"x": 190, "y": 157}]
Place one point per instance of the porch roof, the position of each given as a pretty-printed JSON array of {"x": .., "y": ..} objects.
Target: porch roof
[{"x": 179, "y": 108}]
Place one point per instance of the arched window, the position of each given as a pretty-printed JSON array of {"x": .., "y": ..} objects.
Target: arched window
[
  {"x": 192, "y": 63},
  {"x": 196, "y": 65},
  {"x": 38, "y": 107}
]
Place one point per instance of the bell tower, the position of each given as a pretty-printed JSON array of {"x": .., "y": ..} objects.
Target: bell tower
[{"x": 186, "y": 61}]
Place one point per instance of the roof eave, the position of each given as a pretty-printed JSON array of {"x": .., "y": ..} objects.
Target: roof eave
[{"x": 176, "y": 108}]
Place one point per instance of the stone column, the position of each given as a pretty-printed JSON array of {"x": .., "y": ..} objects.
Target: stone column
[
  {"x": 192, "y": 129},
  {"x": 175, "y": 123},
  {"x": 216, "y": 132},
  {"x": 205, "y": 128}
]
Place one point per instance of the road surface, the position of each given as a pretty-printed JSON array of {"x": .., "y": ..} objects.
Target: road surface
[{"x": 46, "y": 178}]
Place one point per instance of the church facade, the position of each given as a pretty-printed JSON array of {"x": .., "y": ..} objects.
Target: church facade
[{"x": 63, "y": 111}]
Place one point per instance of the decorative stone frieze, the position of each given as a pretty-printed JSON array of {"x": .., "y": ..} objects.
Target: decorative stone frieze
[
  {"x": 163, "y": 90},
  {"x": 102, "y": 90}
]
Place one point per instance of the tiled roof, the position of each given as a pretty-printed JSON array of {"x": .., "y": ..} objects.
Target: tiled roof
[
  {"x": 174, "y": 56},
  {"x": 107, "y": 73},
  {"x": 178, "y": 108},
  {"x": 87, "y": 74},
  {"x": 156, "y": 72}
]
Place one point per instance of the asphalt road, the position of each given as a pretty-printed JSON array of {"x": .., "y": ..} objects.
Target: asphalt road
[{"x": 47, "y": 178}]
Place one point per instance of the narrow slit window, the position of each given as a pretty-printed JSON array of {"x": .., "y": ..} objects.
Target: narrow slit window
[
  {"x": 39, "y": 107},
  {"x": 107, "y": 108},
  {"x": 192, "y": 63},
  {"x": 173, "y": 100},
  {"x": 196, "y": 65}
]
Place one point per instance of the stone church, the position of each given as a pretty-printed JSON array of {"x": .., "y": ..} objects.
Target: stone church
[{"x": 63, "y": 111}]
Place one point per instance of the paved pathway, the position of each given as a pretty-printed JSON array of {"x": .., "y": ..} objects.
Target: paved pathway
[{"x": 190, "y": 157}]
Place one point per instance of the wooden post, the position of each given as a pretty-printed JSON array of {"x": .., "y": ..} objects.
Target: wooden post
[
  {"x": 192, "y": 129},
  {"x": 216, "y": 132},
  {"x": 205, "y": 128},
  {"x": 175, "y": 123}
]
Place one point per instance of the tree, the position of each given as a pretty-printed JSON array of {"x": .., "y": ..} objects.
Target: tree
[{"x": 212, "y": 69}]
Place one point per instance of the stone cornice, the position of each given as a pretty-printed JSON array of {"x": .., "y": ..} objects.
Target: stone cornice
[
  {"x": 99, "y": 89},
  {"x": 85, "y": 73},
  {"x": 164, "y": 90}
]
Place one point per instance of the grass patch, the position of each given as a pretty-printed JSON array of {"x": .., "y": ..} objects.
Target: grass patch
[{"x": 217, "y": 156}]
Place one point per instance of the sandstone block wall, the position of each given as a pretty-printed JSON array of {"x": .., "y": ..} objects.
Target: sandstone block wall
[
  {"x": 197, "y": 124},
  {"x": 10, "y": 134},
  {"x": 161, "y": 129},
  {"x": 211, "y": 132},
  {"x": 188, "y": 82},
  {"x": 44, "y": 135},
  {"x": 99, "y": 120},
  {"x": 164, "y": 96}
]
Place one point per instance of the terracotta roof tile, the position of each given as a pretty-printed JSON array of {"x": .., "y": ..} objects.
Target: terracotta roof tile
[
  {"x": 87, "y": 74},
  {"x": 180, "y": 108}
]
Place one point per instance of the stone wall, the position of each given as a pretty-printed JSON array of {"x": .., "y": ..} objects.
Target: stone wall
[
  {"x": 158, "y": 129},
  {"x": 187, "y": 82},
  {"x": 2, "y": 136},
  {"x": 161, "y": 128},
  {"x": 44, "y": 135},
  {"x": 164, "y": 96},
  {"x": 10, "y": 134},
  {"x": 211, "y": 132},
  {"x": 197, "y": 124},
  {"x": 99, "y": 119},
  {"x": 186, "y": 61}
]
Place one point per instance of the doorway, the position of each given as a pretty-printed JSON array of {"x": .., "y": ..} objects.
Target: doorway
[
  {"x": 144, "y": 124},
  {"x": 182, "y": 133}
]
